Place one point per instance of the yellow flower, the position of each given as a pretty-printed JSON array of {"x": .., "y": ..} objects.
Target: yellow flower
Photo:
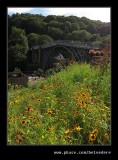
[
  {"x": 39, "y": 100},
  {"x": 92, "y": 137},
  {"x": 83, "y": 94},
  {"x": 77, "y": 98},
  {"x": 77, "y": 128},
  {"x": 27, "y": 108},
  {"x": 95, "y": 131},
  {"x": 49, "y": 111},
  {"x": 79, "y": 104},
  {"x": 67, "y": 137},
  {"x": 67, "y": 131},
  {"x": 31, "y": 110},
  {"x": 23, "y": 122},
  {"x": 16, "y": 102},
  {"x": 52, "y": 128},
  {"x": 31, "y": 117},
  {"x": 106, "y": 136}
]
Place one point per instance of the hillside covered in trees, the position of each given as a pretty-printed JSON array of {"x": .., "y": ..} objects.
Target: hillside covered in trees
[{"x": 27, "y": 30}]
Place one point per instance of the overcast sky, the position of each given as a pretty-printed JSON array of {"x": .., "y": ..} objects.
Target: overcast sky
[{"x": 103, "y": 13}]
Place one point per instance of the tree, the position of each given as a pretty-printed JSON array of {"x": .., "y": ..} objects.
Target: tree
[
  {"x": 91, "y": 28},
  {"x": 49, "y": 18},
  {"x": 72, "y": 19},
  {"x": 17, "y": 47},
  {"x": 82, "y": 25},
  {"x": 105, "y": 30},
  {"x": 80, "y": 35},
  {"x": 106, "y": 41},
  {"x": 67, "y": 27},
  {"x": 44, "y": 39},
  {"x": 85, "y": 20},
  {"x": 55, "y": 33},
  {"x": 32, "y": 39},
  {"x": 94, "y": 37},
  {"x": 74, "y": 26},
  {"x": 53, "y": 23}
]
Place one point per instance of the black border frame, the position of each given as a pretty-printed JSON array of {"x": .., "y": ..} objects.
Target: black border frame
[{"x": 39, "y": 151}]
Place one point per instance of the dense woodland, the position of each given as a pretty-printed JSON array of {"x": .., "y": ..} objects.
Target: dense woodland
[{"x": 27, "y": 30}]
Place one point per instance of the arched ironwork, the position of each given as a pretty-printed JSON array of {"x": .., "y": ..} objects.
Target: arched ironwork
[
  {"x": 55, "y": 51},
  {"x": 75, "y": 50}
]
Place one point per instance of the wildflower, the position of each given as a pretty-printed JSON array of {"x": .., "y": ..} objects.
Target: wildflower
[
  {"x": 84, "y": 98},
  {"x": 67, "y": 137},
  {"x": 79, "y": 104},
  {"x": 95, "y": 131},
  {"x": 76, "y": 98},
  {"x": 52, "y": 128},
  {"x": 84, "y": 85},
  {"x": 107, "y": 108},
  {"x": 16, "y": 102},
  {"x": 20, "y": 132},
  {"x": 67, "y": 131},
  {"x": 106, "y": 136},
  {"x": 27, "y": 108},
  {"x": 83, "y": 94},
  {"x": 92, "y": 137},
  {"x": 91, "y": 100},
  {"x": 18, "y": 139},
  {"x": 39, "y": 100},
  {"x": 49, "y": 111},
  {"x": 23, "y": 122},
  {"x": 31, "y": 117},
  {"x": 31, "y": 110},
  {"x": 77, "y": 128},
  {"x": 38, "y": 123}
]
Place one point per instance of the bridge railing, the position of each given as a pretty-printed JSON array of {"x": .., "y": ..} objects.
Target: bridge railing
[{"x": 73, "y": 44}]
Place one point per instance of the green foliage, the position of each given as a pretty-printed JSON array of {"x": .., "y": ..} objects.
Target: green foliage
[
  {"x": 55, "y": 33},
  {"x": 91, "y": 28},
  {"x": 44, "y": 39},
  {"x": 94, "y": 37},
  {"x": 49, "y": 72},
  {"x": 40, "y": 72},
  {"x": 18, "y": 46},
  {"x": 40, "y": 24},
  {"x": 80, "y": 35},
  {"x": 66, "y": 108},
  {"x": 32, "y": 39}
]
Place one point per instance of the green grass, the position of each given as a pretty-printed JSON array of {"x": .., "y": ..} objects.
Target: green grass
[{"x": 70, "y": 107}]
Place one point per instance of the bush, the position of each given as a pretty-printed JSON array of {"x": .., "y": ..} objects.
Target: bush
[
  {"x": 49, "y": 72},
  {"x": 40, "y": 72}
]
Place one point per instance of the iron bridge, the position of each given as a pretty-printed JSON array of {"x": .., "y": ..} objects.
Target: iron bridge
[{"x": 62, "y": 50}]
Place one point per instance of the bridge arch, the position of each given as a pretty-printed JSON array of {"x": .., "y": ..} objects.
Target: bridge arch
[{"x": 67, "y": 52}]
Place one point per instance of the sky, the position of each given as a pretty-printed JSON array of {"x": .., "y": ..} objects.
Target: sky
[{"x": 95, "y": 13}]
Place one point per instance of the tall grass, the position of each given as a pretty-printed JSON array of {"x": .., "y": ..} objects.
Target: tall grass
[{"x": 70, "y": 107}]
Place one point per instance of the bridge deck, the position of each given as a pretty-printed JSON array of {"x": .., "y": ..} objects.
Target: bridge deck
[{"x": 75, "y": 44}]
